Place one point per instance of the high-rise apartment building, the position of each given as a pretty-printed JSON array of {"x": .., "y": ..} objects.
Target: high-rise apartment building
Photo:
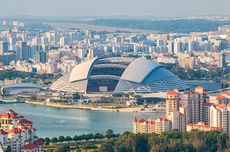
[
  {"x": 219, "y": 117},
  {"x": 178, "y": 120},
  {"x": 185, "y": 108},
  {"x": 196, "y": 99},
  {"x": 172, "y": 102}
]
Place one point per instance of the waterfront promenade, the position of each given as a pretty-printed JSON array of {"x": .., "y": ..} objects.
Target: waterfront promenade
[{"x": 99, "y": 108}]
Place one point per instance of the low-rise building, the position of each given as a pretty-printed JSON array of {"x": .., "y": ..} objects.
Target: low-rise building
[
  {"x": 151, "y": 126},
  {"x": 202, "y": 127}
]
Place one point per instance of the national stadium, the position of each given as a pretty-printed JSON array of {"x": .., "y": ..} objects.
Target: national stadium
[{"x": 119, "y": 75}]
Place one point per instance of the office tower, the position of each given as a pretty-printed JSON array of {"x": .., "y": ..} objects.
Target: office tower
[
  {"x": 42, "y": 56},
  {"x": 171, "y": 47},
  {"x": 44, "y": 40},
  {"x": 4, "y": 47},
  {"x": 81, "y": 53},
  {"x": 62, "y": 41},
  {"x": 191, "y": 46},
  {"x": 178, "y": 47},
  {"x": 161, "y": 43},
  {"x": 90, "y": 54},
  {"x": 222, "y": 60},
  {"x": 22, "y": 51}
]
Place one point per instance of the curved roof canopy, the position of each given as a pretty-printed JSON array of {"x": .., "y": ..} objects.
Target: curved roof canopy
[
  {"x": 81, "y": 71},
  {"x": 139, "y": 69}
]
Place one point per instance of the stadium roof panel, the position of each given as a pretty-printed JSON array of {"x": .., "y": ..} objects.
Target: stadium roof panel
[
  {"x": 81, "y": 71},
  {"x": 139, "y": 69}
]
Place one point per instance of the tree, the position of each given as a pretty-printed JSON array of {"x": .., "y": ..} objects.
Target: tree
[
  {"x": 195, "y": 141},
  {"x": 89, "y": 136},
  {"x": 82, "y": 137},
  {"x": 76, "y": 138},
  {"x": 76, "y": 96},
  {"x": 107, "y": 147},
  {"x": 47, "y": 141},
  {"x": 126, "y": 133},
  {"x": 61, "y": 139},
  {"x": 109, "y": 133},
  {"x": 54, "y": 140},
  {"x": 148, "y": 57},
  {"x": 98, "y": 136},
  {"x": 8, "y": 149},
  {"x": 68, "y": 138},
  {"x": 89, "y": 146},
  {"x": 34, "y": 97},
  {"x": 64, "y": 148},
  {"x": 133, "y": 142}
]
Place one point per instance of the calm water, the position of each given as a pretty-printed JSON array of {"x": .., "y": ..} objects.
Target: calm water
[{"x": 51, "y": 122}]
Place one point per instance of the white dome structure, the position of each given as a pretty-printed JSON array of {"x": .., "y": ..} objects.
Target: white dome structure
[{"x": 119, "y": 74}]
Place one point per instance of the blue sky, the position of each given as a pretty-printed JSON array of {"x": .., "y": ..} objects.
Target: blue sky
[{"x": 173, "y": 8}]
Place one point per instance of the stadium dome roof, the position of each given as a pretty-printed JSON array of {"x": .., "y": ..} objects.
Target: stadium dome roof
[{"x": 120, "y": 74}]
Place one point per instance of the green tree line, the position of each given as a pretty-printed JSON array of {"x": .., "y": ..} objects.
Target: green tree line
[
  {"x": 175, "y": 141},
  {"x": 84, "y": 137}
]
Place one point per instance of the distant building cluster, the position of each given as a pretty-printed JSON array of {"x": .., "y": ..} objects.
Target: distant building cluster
[
  {"x": 191, "y": 110},
  {"x": 59, "y": 50},
  {"x": 17, "y": 134}
]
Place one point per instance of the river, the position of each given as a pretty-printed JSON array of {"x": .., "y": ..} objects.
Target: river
[{"x": 51, "y": 122}]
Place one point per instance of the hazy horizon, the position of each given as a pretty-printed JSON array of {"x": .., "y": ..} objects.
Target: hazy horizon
[{"x": 155, "y": 8}]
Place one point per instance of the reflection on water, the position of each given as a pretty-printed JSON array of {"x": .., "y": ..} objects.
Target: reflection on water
[{"x": 55, "y": 121}]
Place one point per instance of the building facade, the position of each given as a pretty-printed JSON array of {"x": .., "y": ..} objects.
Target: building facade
[
  {"x": 17, "y": 133},
  {"x": 150, "y": 125}
]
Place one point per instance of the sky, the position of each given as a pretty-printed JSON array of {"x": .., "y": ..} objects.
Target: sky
[{"x": 169, "y": 8}]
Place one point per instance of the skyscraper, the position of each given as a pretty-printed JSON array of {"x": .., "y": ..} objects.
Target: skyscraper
[
  {"x": 22, "y": 51},
  {"x": 4, "y": 47},
  {"x": 42, "y": 56}
]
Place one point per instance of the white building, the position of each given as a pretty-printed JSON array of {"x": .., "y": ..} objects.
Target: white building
[{"x": 18, "y": 133}]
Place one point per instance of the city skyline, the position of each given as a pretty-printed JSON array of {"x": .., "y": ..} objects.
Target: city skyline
[
  {"x": 114, "y": 75},
  {"x": 99, "y": 8}
]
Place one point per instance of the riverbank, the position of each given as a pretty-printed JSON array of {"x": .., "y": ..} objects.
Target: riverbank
[{"x": 97, "y": 108}]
